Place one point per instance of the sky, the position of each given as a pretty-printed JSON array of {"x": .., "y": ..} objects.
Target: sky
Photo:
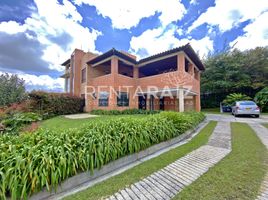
[{"x": 36, "y": 36}]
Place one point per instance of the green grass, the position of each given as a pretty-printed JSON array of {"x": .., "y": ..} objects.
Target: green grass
[
  {"x": 238, "y": 176},
  {"x": 266, "y": 125},
  {"x": 211, "y": 110},
  {"x": 63, "y": 123},
  {"x": 214, "y": 111},
  {"x": 113, "y": 184}
]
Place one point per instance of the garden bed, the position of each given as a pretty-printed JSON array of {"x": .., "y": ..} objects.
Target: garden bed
[{"x": 45, "y": 158}]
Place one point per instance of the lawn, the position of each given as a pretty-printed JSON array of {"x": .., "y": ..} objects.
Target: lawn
[
  {"x": 266, "y": 125},
  {"x": 63, "y": 123},
  {"x": 238, "y": 176},
  {"x": 211, "y": 110},
  {"x": 133, "y": 175}
]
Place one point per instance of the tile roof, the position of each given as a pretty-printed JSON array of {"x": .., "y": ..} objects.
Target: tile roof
[
  {"x": 186, "y": 48},
  {"x": 66, "y": 62}
]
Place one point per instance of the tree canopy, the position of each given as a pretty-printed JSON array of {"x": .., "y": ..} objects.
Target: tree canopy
[
  {"x": 236, "y": 71},
  {"x": 12, "y": 89},
  {"x": 231, "y": 71}
]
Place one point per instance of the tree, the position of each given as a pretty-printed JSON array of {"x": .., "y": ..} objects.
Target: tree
[
  {"x": 12, "y": 89},
  {"x": 234, "y": 71}
]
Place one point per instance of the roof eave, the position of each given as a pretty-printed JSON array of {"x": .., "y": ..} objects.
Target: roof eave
[
  {"x": 66, "y": 62},
  {"x": 110, "y": 53}
]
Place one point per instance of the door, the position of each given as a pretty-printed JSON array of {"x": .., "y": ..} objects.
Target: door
[
  {"x": 142, "y": 102},
  {"x": 151, "y": 102},
  {"x": 162, "y": 103}
]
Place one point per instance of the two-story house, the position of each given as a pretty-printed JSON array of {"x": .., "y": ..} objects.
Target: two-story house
[{"x": 116, "y": 80}]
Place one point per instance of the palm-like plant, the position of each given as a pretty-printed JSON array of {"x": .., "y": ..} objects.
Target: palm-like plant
[{"x": 231, "y": 98}]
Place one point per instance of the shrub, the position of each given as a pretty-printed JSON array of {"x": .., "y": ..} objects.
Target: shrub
[
  {"x": 14, "y": 122},
  {"x": 53, "y": 104},
  {"x": 183, "y": 121},
  {"x": 261, "y": 99},
  {"x": 24, "y": 106},
  {"x": 124, "y": 112},
  {"x": 44, "y": 158},
  {"x": 231, "y": 98},
  {"x": 12, "y": 89}
]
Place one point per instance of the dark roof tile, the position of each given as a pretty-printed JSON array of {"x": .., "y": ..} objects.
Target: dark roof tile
[{"x": 186, "y": 48}]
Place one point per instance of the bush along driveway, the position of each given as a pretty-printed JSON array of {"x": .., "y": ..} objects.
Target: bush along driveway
[{"x": 30, "y": 162}]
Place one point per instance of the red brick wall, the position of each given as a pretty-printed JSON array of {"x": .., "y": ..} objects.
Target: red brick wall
[{"x": 116, "y": 80}]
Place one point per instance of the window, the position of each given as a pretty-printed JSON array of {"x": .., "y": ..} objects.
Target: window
[
  {"x": 186, "y": 65},
  {"x": 84, "y": 75},
  {"x": 196, "y": 74},
  {"x": 103, "y": 99},
  {"x": 247, "y": 103},
  {"x": 122, "y": 99}
]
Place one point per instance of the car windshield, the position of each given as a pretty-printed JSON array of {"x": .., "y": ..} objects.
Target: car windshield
[{"x": 247, "y": 103}]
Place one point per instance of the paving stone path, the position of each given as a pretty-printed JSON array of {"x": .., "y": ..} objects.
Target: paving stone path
[
  {"x": 262, "y": 133},
  {"x": 169, "y": 181}
]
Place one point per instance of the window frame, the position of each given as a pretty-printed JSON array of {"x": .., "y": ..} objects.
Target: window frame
[
  {"x": 84, "y": 72},
  {"x": 103, "y": 99},
  {"x": 122, "y": 101}
]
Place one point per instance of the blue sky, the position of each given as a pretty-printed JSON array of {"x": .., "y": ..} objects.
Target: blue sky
[{"x": 36, "y": 36}]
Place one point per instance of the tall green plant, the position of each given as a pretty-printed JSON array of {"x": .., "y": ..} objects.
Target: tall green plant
[
  {"x": 231, "y": 98},
  {"x": 30, "y": 162},
  {"x": 261, "y": 99}
]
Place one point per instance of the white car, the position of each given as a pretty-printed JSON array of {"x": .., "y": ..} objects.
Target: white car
[{"x": 245, "y": 108}]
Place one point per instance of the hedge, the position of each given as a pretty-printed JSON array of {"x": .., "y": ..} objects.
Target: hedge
[
  {"x": 53, "y": 104},
  {"x": 44, "y": 158},
  {"x": 124, "y": 112},
  {"x": 262, "y": 99}
]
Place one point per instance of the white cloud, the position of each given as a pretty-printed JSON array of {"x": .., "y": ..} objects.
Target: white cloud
[
  {"x": 256, "y": 34},
  {"x": 12, "y": 27},
  {"x": 57, "y": 27},
  {"x": 228, "y": 13},
  {"x": 127, "y": 13},
  {"x": 158, "y": 40},
  {"x": 193, "y": 2},
  {"x": 42, "y": 82}
]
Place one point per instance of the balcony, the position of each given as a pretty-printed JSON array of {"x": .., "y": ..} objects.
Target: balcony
[
  {"x": 66, "y": 73},
  {"x": 170, "y": 80}
]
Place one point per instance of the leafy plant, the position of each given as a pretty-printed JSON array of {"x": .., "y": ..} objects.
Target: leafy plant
[
  {"x": 30, "y": 162},
  {"x": 231, "y": 98},
  {"x": 262, "y": 99},
  {"x": 124, "y": 112},
  {"x": 14, "y": 122}
]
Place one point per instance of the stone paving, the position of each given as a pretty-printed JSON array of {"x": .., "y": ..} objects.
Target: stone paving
[
  {"x": 262, "y": 133},
  {"x": 231, "y": 118},
  {"x": 169, "y": 181},
  {"x": 80, "y": 116}
]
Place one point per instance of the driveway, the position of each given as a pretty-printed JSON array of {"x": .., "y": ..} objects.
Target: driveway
[{"x": 231, "y": 118}]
